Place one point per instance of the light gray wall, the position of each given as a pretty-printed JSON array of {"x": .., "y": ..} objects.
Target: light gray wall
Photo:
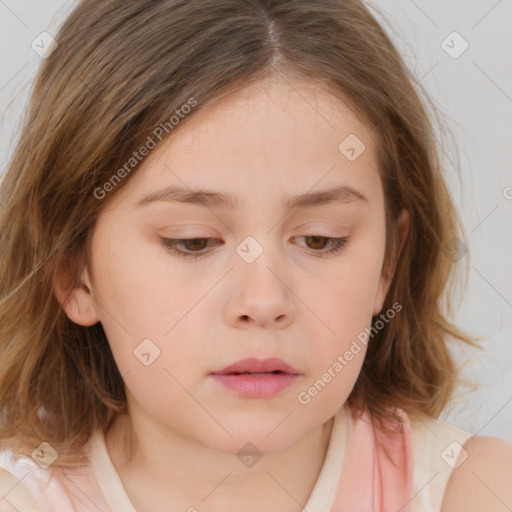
[{"x": 473, "y": 90}]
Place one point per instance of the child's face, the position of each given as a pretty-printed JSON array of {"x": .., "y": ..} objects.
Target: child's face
[{"x": 261, "y": 146}]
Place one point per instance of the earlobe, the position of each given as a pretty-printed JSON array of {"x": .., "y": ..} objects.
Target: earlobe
[
  {"x": 76, "y": 299},
  {"x": 389, "y": 267}
]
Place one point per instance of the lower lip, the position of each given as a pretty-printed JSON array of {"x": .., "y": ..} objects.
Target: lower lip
[{"x": 261, "y": 386}]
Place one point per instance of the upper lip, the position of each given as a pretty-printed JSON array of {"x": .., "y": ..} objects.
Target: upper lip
[{"x": 253, "y": 365}]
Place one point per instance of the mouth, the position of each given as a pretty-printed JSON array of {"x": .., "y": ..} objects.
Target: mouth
[
  {"x": 254, "y": 378},
  {"x": 254, "y": 367},
  {"x": 257, "y": 374}
]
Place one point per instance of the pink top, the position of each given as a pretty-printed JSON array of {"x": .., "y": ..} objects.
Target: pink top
[{"x": 356, "y": 474}]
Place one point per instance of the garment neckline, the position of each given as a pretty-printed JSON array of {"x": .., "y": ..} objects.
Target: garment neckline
[
  {"x": 107, "y": 476},
  {"x": 320, "y": 499}
]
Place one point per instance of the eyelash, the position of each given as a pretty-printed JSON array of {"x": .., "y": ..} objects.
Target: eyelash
[{"x": 172, "y": 243}]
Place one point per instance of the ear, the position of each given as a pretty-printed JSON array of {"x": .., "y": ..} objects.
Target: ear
[
  {"x": 389, "y": 266},
  {"x": 77, "y": 300}
]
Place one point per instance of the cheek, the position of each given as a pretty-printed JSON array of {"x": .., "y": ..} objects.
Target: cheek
[
  {"x": 343, "y": 304},
  {"x": 336, "y": 354},
  {"x": 346, "y": 319},
  {"x": 147, "y": 321},
  {"x": 333, "y": 378},
  {"x": 346, "y": 298},
  {"x": 139, "y": 287}
]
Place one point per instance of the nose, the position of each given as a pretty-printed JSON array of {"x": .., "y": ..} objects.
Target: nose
[{"x": 261, "y": 297}]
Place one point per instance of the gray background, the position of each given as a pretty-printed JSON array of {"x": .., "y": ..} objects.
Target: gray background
[{"x": 474, "y": 93}]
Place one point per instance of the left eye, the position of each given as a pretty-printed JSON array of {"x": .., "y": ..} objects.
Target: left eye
[{"x": 194, "y": 247}]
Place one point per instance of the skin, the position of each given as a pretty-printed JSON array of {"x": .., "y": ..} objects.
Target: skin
[
  {"x": 484, "y": 480},
  {"x": 267, "y": 142}
]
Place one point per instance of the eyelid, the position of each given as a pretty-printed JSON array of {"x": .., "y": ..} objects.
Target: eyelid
[{"x": 337, "y": 244}]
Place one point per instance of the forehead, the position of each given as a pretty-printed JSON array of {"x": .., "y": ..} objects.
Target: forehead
[
  {"x": 274, "y": 115},
  {"x": 274, "y": 137}
]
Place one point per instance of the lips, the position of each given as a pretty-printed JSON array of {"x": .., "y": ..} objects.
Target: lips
[
  {"x": 254, "y": 366},
  {"x": 257, "y": 378}
]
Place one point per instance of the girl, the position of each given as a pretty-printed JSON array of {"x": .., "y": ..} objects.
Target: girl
[{"x": 224, "y": 236}]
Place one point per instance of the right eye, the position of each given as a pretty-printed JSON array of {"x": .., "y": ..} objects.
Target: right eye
[{"x": 195, "y": 247}]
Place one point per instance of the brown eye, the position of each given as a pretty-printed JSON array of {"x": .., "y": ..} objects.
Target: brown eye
[
  {"x": 195, "y": 247},
  {"x": 192, "y": 247},
  {"x": 195, "y": 244},
  {"x": 318, "y": 243}
]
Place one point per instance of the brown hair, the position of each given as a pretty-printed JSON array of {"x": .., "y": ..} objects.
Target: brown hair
[{"x": 121, "y": 68}]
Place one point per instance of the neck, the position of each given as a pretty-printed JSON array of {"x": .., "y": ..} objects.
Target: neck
[{"x": 158, "y": 468}]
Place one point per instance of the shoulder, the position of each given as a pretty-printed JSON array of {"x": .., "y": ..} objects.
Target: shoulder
[
  {"x": 14, "y": 495},
  {"x": 484, "y": 480},
  {"x": 438, "y": 450}
]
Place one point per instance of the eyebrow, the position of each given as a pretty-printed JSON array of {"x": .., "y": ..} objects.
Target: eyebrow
[{"x": 213, "y": 199}]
